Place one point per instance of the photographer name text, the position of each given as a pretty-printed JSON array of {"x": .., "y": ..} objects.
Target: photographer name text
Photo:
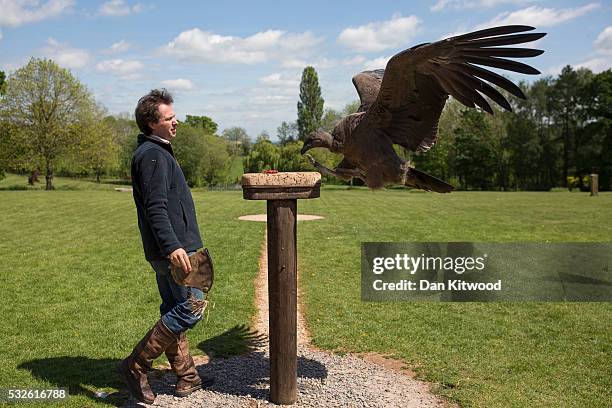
[{"x": 425, "y": 285}]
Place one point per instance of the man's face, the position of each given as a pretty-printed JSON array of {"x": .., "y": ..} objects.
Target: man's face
[{"x": 166, "y": 126}]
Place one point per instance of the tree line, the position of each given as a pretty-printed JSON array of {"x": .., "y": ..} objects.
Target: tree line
[
  {"x": 561, "y": 133},
  {"x": 51, "y": 124},
  {"x": 556, "y": 137}
]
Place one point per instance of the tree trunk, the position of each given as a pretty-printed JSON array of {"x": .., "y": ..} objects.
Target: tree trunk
[{"x": 49, "y": 177}]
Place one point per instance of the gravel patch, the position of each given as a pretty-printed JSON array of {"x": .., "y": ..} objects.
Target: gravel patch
[{"x": 324, "y": 379}]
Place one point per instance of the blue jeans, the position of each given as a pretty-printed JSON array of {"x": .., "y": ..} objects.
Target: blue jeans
[{"x": 182, "y": 306}]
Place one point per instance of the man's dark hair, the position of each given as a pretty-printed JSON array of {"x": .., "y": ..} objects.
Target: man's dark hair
[{"x": 147, "y": 109}]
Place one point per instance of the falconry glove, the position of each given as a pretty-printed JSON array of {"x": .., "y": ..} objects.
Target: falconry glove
[{"x": 202, "y": 272}]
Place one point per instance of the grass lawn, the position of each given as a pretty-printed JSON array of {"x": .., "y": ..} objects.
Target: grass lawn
[
  {"x": 20, "y": 182},
  {"x": 478, "y": 354},
  {"x": 77, "y": 293}
]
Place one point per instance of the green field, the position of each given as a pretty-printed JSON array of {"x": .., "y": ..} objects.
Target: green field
[
  {"x": 77, "y": 292},
  {"x": 479, "y": 354}
]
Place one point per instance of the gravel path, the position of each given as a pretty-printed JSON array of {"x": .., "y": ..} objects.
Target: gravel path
[{"x": 324, "y": 379}]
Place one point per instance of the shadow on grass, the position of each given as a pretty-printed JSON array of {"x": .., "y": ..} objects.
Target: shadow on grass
[
  {"x": 80, "y": 375},
  {"x": 237, "y": 340}
]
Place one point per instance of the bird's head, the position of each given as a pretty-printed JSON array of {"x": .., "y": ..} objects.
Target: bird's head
[{"x": 320, "y": 138}]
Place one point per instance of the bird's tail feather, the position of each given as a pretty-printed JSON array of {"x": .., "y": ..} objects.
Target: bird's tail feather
[{"x": 424, "y": 181}]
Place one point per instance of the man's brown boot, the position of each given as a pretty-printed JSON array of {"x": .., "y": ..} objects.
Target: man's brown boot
[
  {"x": 188, "y": 379},
  {"x": 133, "y": 370}
]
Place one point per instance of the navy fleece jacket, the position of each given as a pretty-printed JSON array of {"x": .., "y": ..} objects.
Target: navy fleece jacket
[{"x": 166, "y": 213}]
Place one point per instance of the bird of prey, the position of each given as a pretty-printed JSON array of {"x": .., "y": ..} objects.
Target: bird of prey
[{"x": 402, "y": 103}]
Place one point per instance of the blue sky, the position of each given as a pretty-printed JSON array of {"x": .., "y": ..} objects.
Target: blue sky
[{"x": 240, "y": 62}]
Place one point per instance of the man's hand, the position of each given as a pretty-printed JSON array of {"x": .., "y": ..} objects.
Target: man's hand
[{"x": 179, "y": 258}]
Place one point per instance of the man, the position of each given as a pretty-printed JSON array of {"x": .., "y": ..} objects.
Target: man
[{"x": 169, "y": 230}]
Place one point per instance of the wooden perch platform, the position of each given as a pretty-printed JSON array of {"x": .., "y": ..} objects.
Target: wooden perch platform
[{"x": 281, "y": 186}]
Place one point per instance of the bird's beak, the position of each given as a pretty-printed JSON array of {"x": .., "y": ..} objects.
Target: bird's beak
[{"x": 307, "y": 146}]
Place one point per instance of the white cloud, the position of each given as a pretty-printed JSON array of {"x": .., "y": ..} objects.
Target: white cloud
[
  {"x": 271, "y": 100},
  {"x": 322, "y": 62},
  {"x": 17, "y": 12},
  {"x": 596, "y": 65},
  {"x": 470, "y": 4},
  {"x": 539, "y": 16},
  {"x": 1, "y": 35},
  {"x": 119, "y": 8},
  {"x": 137, "y": 8},
  {"x": 204, "y": 46},
  {"x": 356, "y": 60},
  {"x": 64, "y": 55},
  {"x": 381, "y": 35},
  {"x": 122, "y": 68},
  {"x": 603, "y": 43},
  {"x": 603, "y": 53},
  {"x": 294, "y": 63},
  {"x": 376, "y": 63},
  {"x": 118, "y": 47},
  {"x": 554, "y": 70},
  {"x": 179, "y": 84},
  {"x": 277, "y": 80}
]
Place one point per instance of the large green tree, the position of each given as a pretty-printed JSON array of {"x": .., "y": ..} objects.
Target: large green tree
[
  {"x": 596, "y": 153},
  {"x": 203, "y": 157},
  {"x": 264, "y": 155},
  {"x": 124, "y": 130},
  {"x": 310, "y": 105},
  {"x": 45, "y": 105},
  {"x": 239, "y": 142},
  {"x": 203, "y": 122},
  {"x": 99, "y": 149},
  {"x": 287, "y": 133},
  {"x": 566, "y": 103},
  {"x": 290, "y": 158},
  {"x": 475, "y": 151}
]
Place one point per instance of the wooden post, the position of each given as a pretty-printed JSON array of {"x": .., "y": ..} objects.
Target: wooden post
[
  {"x": 282, "y": 190},
  {"x": 594, "y": 184}
]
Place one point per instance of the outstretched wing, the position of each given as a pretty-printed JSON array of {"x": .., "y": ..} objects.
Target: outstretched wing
[
  {"x": 417, "y": 82},
  {"x": 367, "y": 84}
]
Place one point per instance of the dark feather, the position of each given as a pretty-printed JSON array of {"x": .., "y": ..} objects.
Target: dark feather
[
  {"x": 495, "y": 79},
  {"x": 488, "y": 32},
  {"x": 483, "y": 87},
  {"x": 453, "y": 90},
  {"x": 427, "y": 182},
  {"x": 504, "y": 40},
  {"x": 503, "y": 64},
  {"x": 501, "y": 52},
  {"x": 467, "y": 90}
]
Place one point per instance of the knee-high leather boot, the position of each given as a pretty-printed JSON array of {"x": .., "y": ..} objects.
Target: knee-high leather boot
[
  {"x": 133, "y": 370},
  {"x": 182, "y": 363}
]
